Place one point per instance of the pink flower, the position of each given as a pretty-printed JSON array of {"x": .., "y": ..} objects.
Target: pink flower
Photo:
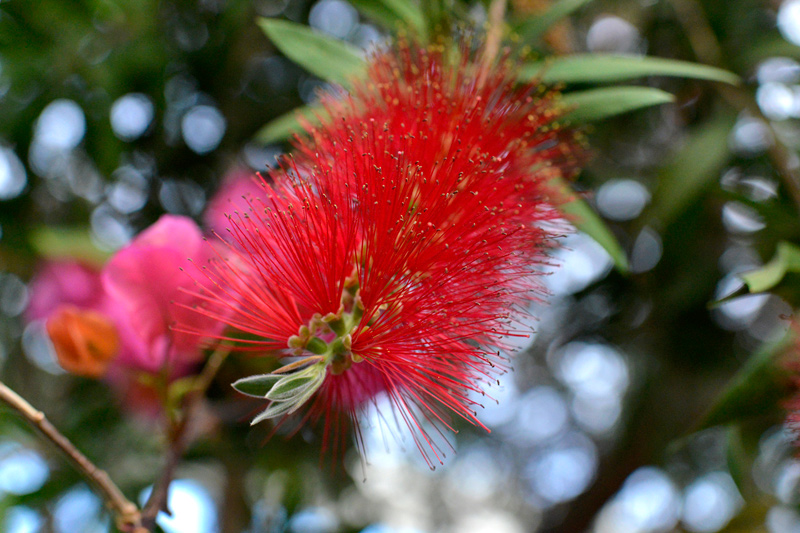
[
  {"x": 146, "y": 280},
  {"x": 140, "y": 293},
  {"x": 70, "y": 297},
  {"x": 64, "y": 282},
  {"x": 239, "y": 184}
]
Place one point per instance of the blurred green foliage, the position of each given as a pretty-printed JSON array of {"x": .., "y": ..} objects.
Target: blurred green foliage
[{"x": 693, "y": 129}]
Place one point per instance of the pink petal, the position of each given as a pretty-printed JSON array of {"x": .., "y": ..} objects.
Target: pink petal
[
  {"x": 64, "y": 282},
  {"x": 174, "y": 232},
  {"x": 239, "y": 184},
  {"x": 146, "y": 283}
]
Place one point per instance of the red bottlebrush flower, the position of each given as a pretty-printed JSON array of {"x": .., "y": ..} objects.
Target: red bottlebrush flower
[{"x": 400, "y": 245}]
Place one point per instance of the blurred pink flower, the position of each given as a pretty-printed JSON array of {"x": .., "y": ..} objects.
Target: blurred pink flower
[
  {"x": 68, "y": 284},
  {"x": 64, "y": 282},
  {"x": 239, "y": 183},
  {"x": 147, "y": 282},
  {"x": 140, "y": 292}
]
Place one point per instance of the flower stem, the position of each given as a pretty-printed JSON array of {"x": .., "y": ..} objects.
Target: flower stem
[
  {"x": 179, "y": 438},
  {"x": 494, "y": 34},
  {"x": 128, "y": 517}
]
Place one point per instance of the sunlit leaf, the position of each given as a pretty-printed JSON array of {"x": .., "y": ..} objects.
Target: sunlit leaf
[
  {"x": 786, "y": 259},
  {"x": 756, "y": 389},
  {"x": 71, "y": 243},
  {"x": 586, "y": 220},
  {"x": 326, "y": 57},
  {"x": 691, "y": 170},
  {"x": 285, "y": 125},
  {"x": 257, "y": 386},
  {"x": 533, "y": 27},
  {"x": 604, "y": 68},
  {"x": 598, "y": 104},
  {"x": 394, "y": 13}
]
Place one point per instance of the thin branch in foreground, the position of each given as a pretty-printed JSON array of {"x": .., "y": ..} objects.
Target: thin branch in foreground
[{"x": 128, "y": 517}]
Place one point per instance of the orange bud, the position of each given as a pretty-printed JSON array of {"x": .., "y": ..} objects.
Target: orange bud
[{"x": 85, "y": 341}]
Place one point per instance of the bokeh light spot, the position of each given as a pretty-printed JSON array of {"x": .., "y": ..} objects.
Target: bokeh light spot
[
  {"x": 13, "y": 177},
  {"x": 203, "y": 127},
  {"x": 131, "y": 115}
]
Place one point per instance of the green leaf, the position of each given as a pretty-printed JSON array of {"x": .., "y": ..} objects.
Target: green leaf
[
  {"x": 73, "y": 243},
  {"x": 604, "y": 68},
  {"x": 756, "y": 389},
  {"x": 738, "y": 460},
  {"x": 597, "y": 104},
  {"x": 295, "y": 384},
  {"x": 285, "y": 125},
  {"x": 786, "y": 259},
  {"x": 275, "y": 410},
  {"x": 394, "y": 13},
  {"x": 742, "y": 444},
  {"x": 328, "y": 58},
  {"x": 586, "y": 220},
  {"x": 691, "y": 170},
  {"x": 292, "y": 398},
  {"x": 257, "y": 386},
  {"x": 534, "y": 27}
]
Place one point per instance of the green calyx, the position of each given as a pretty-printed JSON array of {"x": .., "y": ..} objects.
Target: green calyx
[
  {"x": 292, "y": 385},
  {"x": 337, "y": 353}
]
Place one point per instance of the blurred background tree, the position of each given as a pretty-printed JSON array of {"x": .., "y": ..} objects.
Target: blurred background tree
[{"x": 113, "y": 113}]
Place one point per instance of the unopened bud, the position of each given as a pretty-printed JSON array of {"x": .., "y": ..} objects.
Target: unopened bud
[{"x": 85, "y": 341}]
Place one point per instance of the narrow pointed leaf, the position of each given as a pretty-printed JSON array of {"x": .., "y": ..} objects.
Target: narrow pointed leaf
[
  {"x": 326, "y": 57},
  {"x": 286, "y": 407},
  {"x": 285, "y": 125},
  {"x": 604, "y": 68},
  {"x": 743, "y": 441},
  {"x": 257, "y": 386},
  {"x": 691, "y": 170},
  {"x": 394, "y": 13},
  {"x": 598, "y": 104},
  {"x": 586, "y": 220},
  {"x": 287, "y": 390},
  {"x": 296, "y": 384},
  {"x": 309, "y": 391},
  {"x": 757, "y": 389},
  {"x": 274, "y": 410},
  {"x": 738, "y": 460},
  {"x": 786, "y": 259},
  {"x": 534, "y": 27}
]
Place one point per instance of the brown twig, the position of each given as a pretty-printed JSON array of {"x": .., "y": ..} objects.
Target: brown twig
[
  {"x": 127, "y": 514},
  {"x": 179, "y": 438},
  {"x": 178, "y": 441},
  {"x": 494, "y": 35}
]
